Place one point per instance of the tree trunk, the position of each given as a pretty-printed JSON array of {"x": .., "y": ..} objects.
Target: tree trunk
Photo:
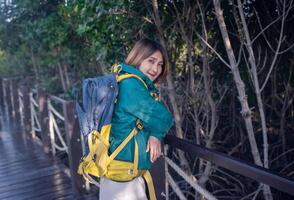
[
  {"x": 266, "y": 191},
  {"x": 246, "y": 113},
  {"x": 211, "y": 104},
  {"x": 61, "y": 76},
  {"x": 35, "y": 66},
  {"x": 172, "y": 93},
  {"x": 67, "y": 82}
]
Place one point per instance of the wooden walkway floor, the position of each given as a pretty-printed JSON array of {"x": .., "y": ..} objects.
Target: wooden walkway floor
[{"x": 26, "y": 172}]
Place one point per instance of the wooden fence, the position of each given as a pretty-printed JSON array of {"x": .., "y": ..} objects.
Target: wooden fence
[
  {"x": 33, "y": 107},
  {"x": 35, "y": 110}
]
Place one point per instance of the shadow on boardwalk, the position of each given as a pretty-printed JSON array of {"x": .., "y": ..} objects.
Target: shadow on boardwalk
[{"x": 26, "y": 172}]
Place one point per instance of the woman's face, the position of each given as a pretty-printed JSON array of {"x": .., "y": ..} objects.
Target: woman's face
[{"x": 152, "y": 66}]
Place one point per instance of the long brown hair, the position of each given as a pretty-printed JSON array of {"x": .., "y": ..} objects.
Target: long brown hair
[{"x": 142, "y": 50}]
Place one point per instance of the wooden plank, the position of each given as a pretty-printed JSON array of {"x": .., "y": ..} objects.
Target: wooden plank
[
  {"x": 39, "y": 173},
  {"x": 59, "y": 189},
  {"x": 22, "y": 169},
  {"x": 54, "y": 193},
  {"x": 18, "y": 160},
  {"x": 18, "y": 187},
  {"x": 39, "y": 185},
  {"x": 26, "y": 172},
  {"x": 14, "y": 160},
  {"x": 66, "y": 197},
  {"x": 24, "y": 158},
  {"x": 11, "y": 171}
]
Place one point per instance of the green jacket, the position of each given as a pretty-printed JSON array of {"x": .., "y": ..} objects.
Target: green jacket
[{"x": 135, "y": 102}]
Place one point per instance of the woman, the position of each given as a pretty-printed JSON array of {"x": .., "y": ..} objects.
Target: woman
[{"x": 138, "y": 101}]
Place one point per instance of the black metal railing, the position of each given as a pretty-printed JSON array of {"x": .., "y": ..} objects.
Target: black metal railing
[{"x": 246, "y": 169}]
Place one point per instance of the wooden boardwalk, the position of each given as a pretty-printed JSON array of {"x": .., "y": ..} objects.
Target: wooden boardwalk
[{"x": 26, "y": 172}]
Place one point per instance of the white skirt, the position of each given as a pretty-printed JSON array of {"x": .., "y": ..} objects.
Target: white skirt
[{"x": 131, "y": 190}]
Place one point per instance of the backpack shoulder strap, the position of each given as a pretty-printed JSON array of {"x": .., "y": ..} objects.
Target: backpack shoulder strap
[
  {"x": 135, "y": 130},
  {"x": 122, "y": 77},
  {"x": 116, "y": 69}
]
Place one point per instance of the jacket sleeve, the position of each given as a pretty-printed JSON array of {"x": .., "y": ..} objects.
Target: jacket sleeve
[{"x": 137, "y": 101}]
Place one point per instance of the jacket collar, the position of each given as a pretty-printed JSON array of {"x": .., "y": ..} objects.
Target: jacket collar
[{"x": 133, "y": 70}]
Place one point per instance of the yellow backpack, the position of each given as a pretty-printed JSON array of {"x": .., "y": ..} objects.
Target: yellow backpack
[{"x": 97, "y": 163}]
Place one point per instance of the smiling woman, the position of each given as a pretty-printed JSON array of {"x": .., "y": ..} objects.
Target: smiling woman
[
  {"x": 152, "y": 66},
  {"x": 147, "y": 53},
  {"x": 138, "y": 101}
]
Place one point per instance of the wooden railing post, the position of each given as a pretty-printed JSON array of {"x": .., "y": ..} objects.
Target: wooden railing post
[
  {"x": 44, "y": 119},
  {"x": 7, "y": 96},
  {"x": 74, "y": 145},
  {"x": 1, "y": 93},
  {"x": 11, "y": 98},
  {"x": 158, "y": 176},
  {"x": 26, "y": 109},
  {"x": 14, "y": 99}
]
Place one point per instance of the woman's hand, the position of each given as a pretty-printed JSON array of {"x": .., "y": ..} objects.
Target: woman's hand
[{"x": 154, "y": 146}]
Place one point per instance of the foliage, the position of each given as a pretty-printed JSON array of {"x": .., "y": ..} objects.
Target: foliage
[{"x": 62, "y": 44}]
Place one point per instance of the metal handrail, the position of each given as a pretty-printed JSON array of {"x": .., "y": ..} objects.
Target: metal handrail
[{"x": 244, "y": 168}]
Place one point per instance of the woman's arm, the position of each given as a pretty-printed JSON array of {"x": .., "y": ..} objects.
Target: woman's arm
[{"x": 154, "y": 115}]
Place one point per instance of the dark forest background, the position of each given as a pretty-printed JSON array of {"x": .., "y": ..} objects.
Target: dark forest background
[{"x": 231, "y": 82}]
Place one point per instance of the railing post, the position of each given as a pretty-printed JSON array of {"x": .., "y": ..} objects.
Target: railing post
[
  {"x": 74, "y": 145},
  {"x": 158, "y": 175},
  {"x": 7, "y": 97},
  {"x": 10, "y": 81},
  {"x": 1, "y": 93},
  {"x": 26, "y": 109},
  {"x": 44, "y": 119},
  {"x": 14, "y": 99}
]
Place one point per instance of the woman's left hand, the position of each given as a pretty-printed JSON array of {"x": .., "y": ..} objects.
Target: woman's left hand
[{"x": 154, "y": 146}]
